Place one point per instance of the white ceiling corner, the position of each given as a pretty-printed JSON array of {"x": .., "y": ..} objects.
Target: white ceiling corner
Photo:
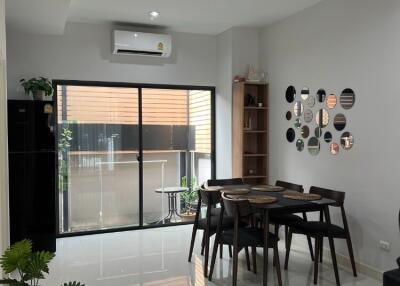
[{"x": 38, "y": 16}]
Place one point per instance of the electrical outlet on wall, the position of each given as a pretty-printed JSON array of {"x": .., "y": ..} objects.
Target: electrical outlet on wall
[{"x": 384, "y": 245}]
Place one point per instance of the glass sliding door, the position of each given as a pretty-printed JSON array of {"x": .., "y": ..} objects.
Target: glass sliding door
[
  {"x": 98, "y": 171},
  {"x": 131, "y": 156},
  {"x": 176, "y": 126}
]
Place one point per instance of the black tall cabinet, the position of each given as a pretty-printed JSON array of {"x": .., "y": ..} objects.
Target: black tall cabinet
[{"x": 32, "y": 172}]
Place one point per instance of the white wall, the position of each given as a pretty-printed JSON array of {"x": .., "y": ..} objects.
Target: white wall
[
  {"x": 2, "y": 29},
  {"x": 3, "y": 132},
  {"x": 244, "y": 49},
  {"x": 237, "y": 48},
  {"x": 83, "y": 52},
  {"x": 335, "y": 45},
  {"x": 224, "y": 104}
]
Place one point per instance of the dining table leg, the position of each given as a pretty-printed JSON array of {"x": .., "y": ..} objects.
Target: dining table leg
[{"x": 266, "y": 232}]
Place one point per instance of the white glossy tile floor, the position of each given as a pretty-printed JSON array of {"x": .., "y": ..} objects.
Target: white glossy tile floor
[{"x": 159, "y": 257}]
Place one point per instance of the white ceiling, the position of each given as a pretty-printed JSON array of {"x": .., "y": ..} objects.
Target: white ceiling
[
  {"x": 37, "y": 16},
  {"x": 193, "y": 16}
]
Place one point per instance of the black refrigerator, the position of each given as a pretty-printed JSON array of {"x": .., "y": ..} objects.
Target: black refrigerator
[{"x": 32, "y": 172}]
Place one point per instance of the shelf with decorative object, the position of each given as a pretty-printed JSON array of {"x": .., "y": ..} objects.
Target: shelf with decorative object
[
  {"x": 254, "y": 131},
  {"x": 255, "y": 108},
  {"x": 255, "y": 177},
  {"x": 254, "y": 155}
]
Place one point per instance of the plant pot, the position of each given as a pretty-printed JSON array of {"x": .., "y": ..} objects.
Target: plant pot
[
  {"x": 186, "y": 217},
  {"x": 41, "y": 95},
  {"x": 38, "y": 95}
]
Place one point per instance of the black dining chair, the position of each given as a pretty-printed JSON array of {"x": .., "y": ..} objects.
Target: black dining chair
[
  {"x": 225, "y": 182},
  {"x": 209, "y": 223},
  {"x": 324, "y": 228},
  {"x": 222, "y": 183},
  {"x": 392, "y": 277},
  {"x": 287, "y": 219},
  {"x": 241, "y": 237}
]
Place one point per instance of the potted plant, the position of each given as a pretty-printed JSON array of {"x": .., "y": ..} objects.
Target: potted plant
[
  {"x": 189, "y": 212},
  {"x": 40, "y": 87},
  {"x": 30, "y": 266},
  {"x": 189, "y": 198}
]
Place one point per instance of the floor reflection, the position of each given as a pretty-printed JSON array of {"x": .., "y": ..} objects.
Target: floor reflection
[{"x": 159, "y": 257}]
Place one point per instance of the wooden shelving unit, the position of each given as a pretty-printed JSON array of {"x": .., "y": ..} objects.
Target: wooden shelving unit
[{"x": 250, "y": 132}]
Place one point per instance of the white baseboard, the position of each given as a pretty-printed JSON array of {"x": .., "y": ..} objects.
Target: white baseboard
[{"x": 343, "y": 260}]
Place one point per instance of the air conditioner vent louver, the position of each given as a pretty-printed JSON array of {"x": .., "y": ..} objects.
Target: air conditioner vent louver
[{"x": 134, "y": 52}]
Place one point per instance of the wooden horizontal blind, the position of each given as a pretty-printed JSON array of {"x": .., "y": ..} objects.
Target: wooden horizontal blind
[
  {"x": 200, "y": 117},
  {"x": 104, "y": 105},
  {"x": 114, "y": 105},
  {"x": 164, "y": 106}
]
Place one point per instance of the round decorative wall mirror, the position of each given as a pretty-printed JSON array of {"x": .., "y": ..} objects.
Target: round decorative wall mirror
[
  {"x": 305, "y": 92},
  {"x": 321, "y": 94},
  {"x": 347, "y": 140},
  {"x": 308, "y": 115},
  {"x": 331, "y": 101},
  {"x": 298, "y": 109},
  {"x": 313, "y": 146},
  {"x": 300, "y": 145},
  {"x": 305, "y": 131},
  {"x": 328, "y": 137},
  {"x": 288, "y": 115},
  {"x": 318, "y": 132},
  {"x": 339, "y": 122},
  {"x": 297, "y": 123},
  {"x": 347, "y": 98},
  {"x": 310, "y": 101},
  {"x": 322, "y": 118},
  {"x": 290, "y": 135},
  {"x": 334, "y": 148},
  {"x": 290, "y": 94}
]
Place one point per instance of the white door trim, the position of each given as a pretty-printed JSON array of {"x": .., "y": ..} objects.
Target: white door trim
[{"x": 4, "y": 221}]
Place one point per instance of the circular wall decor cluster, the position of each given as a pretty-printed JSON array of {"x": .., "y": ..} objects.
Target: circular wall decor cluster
[{"x": 302, "y": 112}]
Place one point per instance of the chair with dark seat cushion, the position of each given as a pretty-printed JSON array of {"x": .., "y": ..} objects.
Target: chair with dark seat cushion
[
  {"x": 317, "y": 227},
  {"x": 209, "y": 223},
  {"x": 320, "y": 229},
  {"x": 248, "y": 237},
  {"x": 287, "y": 219},
  {"x": 392, "y": 278},
  {"x": 241, "y": 237},
  {"x": 226, "y": 223},
  {"x": 225, "y": 182}
]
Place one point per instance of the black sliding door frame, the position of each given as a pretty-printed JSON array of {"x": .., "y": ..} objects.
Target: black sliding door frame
[{"x": 140, "y": 87}]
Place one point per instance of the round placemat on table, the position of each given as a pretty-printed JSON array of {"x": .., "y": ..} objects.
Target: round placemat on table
[
  {"x": 213, "y": 188},
  {"x": 236, "y": 191},
  {"x": 260, "y": 199},
  {"x": 268, "y": 188},
  {"x": 303, "y": 197},
  {"x": 291, "y": 192}
]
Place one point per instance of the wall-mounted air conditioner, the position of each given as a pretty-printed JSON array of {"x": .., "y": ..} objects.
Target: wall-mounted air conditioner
[{"x": 142, "y": 44}]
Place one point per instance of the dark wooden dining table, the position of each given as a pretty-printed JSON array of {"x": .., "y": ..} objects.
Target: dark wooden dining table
[{"x": 283, "y": 206}]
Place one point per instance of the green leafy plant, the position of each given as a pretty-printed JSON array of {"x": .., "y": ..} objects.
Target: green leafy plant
[
  {"x": 73, "y": 284},
  {"x": 37, "y": 84},
  {"x": 65, "y": 139},
  {"x": 31, "y": 266},
  {"x": 63, "y": 146},
  {"x": 190, "y": 196}
]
